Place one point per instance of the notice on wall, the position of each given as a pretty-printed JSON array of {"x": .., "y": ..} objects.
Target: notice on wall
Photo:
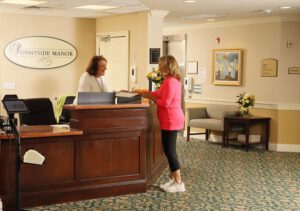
[
  {"x": 269, "y": 68},
  {"x": 294, "y": 70},
  {"x": 202, "y": 75}
]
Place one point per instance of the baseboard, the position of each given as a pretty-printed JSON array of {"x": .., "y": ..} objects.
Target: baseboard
[
  {"x": 272, "y": 147},
  {"x": 284, "y": 147}
]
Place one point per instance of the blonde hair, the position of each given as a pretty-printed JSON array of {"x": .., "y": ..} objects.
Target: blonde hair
[{"x": 170, "y": 66}]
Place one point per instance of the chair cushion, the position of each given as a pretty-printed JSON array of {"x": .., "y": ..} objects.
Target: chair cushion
[{"x": 211, "y": 124}]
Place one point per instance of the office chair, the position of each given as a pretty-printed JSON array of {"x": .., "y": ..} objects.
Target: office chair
[
  {"x": 41, "y": 112},
  {"x": 66, "y": 114}
]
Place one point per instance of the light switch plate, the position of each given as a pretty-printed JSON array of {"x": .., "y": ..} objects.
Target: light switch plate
[{"x": 9, "y": 85}]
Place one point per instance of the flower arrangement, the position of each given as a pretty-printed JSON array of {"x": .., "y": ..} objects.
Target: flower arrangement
[
  {"x": 245, "y": 100},
  {"x": 155, "y": 77}
]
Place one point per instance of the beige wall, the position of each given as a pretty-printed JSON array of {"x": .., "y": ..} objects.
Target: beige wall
[
  {"x": 53, "y": 82},
  {"x": 276, "y": 97},
  {"x": 137, "y": 26}
]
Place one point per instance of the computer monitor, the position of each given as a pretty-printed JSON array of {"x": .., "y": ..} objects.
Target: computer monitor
[
  {"x": 15, "y": 106},
  {"x": 96, "y": 98}
]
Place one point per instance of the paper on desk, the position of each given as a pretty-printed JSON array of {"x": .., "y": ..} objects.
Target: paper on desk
[
  {"x": 126, "y": 94},
  {"x": 64, "y": 126}
]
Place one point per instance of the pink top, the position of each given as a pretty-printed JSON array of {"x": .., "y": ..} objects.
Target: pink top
[{"x": 168, "y": 101}]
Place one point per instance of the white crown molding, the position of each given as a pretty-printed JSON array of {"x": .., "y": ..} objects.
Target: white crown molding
[
  {"x": 263, "y": 105},
  {"x": 158, "y": 13},
  {"x": 228, "y": 23},
  {"x": 290, "y": 19}
]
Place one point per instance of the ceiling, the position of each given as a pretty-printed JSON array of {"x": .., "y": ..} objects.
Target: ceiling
[{"x": 180, "y": 12}]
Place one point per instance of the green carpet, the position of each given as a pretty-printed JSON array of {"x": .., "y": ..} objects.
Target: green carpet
[{"x": 215, "y": 179}]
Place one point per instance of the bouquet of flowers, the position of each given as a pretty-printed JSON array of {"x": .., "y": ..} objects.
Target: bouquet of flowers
[
  {"x": 245, "y": 100},
  {"x": 155, "y": 77}
]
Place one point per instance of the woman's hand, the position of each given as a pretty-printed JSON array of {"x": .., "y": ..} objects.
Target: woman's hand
[{"x": 146, "y": 94}]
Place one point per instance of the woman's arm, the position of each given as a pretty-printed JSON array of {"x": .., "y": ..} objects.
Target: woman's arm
[{"x": 147, "y": 94}]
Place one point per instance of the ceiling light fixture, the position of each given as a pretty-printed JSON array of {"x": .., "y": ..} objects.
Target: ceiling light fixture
[
  {"x": 268, "y": 11},
  {"x": 210, "y": 19},
  {"x": 285, "y": 7},
  {"x": 96, "y": 7},
  {"x": 22, "y": 2},
  {"x": 189, "y": 1}
]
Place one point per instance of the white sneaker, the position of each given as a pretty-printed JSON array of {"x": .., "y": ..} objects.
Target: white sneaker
[
  {"x": 167, "y": 184},
  {"x": 175, "y": 187}
]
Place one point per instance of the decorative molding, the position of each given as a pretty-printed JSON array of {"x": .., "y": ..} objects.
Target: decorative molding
[
  {"x": 275, "y": 19},
  {"x": 290, "y": 19},
  {"x": 284, "y": 147},
  {"x": 263, "y": 105},
  {"x": 159, "y": 13}
]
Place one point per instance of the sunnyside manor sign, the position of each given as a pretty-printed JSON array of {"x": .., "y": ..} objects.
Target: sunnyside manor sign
[{"x": 39, "y": 52}]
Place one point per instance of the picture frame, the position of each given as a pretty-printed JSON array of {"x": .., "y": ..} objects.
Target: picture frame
[
  {"x": 192, "y": 67},
  {"x": 154, "y": 55},
  {"x": 227, "y": 67}
]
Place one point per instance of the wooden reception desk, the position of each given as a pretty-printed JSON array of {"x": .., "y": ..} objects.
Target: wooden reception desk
[{"x": 110, "y": 150}]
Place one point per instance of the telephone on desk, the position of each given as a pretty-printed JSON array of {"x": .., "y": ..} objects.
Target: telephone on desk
[{"x": 4, "y": 125}]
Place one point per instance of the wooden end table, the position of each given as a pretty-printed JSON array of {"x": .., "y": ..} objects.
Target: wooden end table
[{"x": 246, "y": 122}]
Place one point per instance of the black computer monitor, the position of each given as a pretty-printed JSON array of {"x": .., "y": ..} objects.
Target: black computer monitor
[
  {"x": 96, "y": 98},
  {"x": 15, "y": 106}
]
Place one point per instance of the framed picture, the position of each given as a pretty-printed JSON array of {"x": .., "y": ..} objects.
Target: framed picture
[
  {"x": 227, "y": 67},
  {"x": 154, "y": 55},
  {"x": 192, "y": 67}
]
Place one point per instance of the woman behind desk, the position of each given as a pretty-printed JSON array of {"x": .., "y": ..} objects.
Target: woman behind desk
[{"x": 92, "y": 80}]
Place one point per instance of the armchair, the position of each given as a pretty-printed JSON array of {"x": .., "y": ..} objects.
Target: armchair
[{"x": 210, "y": 118}]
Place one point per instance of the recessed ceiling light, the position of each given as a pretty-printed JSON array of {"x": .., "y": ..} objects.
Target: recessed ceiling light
[
  {"x": 268, "y": 11},
  {"x": 210, "y": 19},
  {"x": 285, "y": 7},
  {"x": 22, "y": 2},
  {"x": 189, "y": 1},
  {"x": 96, "y": 7}
]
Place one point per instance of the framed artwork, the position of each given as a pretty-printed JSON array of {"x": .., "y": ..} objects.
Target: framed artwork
[
  {"x": 192, "y": 67},
  {"x": 154, "y": 55},
  {"x": 227, "y": 67}
]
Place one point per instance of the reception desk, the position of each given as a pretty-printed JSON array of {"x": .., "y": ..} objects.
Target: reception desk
[{"x": 110, "y": 150}]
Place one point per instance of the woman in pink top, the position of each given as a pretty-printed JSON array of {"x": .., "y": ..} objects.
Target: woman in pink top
[{"x": 170, "y": 116}]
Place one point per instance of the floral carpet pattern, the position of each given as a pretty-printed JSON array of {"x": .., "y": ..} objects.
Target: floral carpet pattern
[{"x": 216, "y": 178}]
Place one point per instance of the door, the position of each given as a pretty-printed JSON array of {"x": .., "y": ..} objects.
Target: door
[{"x": 114, "y": 47}]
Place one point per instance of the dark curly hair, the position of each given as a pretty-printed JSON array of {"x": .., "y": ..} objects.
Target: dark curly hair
[{"x": 94, "y": 65}]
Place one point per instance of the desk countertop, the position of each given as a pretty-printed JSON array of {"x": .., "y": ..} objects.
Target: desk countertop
[
  {"x": 110, "y": 106},
  {"x": 43, "y": 131}
]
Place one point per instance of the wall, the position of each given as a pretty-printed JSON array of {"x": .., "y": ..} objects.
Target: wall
[
  {"x": 276, "y": 97},
  {"x": 136, "y": 24},
  {"x": 51, "y": 83}
]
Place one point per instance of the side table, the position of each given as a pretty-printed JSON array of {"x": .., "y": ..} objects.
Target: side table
[{"x": 246, "y": 122}]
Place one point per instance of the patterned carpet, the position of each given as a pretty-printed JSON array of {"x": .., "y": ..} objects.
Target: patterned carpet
[{"x": 215, "y": 179}]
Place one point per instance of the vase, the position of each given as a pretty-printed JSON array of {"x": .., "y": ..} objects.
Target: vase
[
  {"x": 150, "y": 85},
  {"x": 244, "y": 111}
]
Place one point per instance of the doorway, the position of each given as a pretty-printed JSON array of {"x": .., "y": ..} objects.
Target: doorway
[{"x": 114, "y": 47}]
